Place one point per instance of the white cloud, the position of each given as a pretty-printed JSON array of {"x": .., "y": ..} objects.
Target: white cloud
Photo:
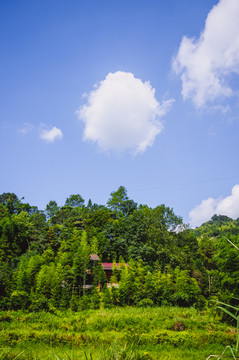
[
  {"x": 228, "y": 206},
  {"x": 203, "y": 212},
  {"x": 51, "y": 135},
  {"x": 122, "y": 114},
  {"x": 205, "y": 63}
]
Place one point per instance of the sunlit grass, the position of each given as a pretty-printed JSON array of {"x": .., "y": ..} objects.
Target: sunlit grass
[{"x": 118, "y": 333}]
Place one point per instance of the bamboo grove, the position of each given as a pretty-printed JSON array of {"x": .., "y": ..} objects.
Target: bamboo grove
[{"x": 45, "y": 256}]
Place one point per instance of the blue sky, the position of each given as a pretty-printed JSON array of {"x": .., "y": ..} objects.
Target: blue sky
[{"x": 144, "y": 94}]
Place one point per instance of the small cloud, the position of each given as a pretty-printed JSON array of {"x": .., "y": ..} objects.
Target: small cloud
[
  {"x": 206, "y": 63},
  {"x": 228, "y": 206},
  {"x": 123, "y": 114},
  {"x": 26, "y": 129},
  {"x": 51, "y": 135}
]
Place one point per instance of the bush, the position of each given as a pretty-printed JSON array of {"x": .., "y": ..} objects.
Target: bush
[
  {"x": 84, "y": 302},
  {"x": 145, "y": 303},
  {"x": 39, "y": 303},
  {"x": 106, "y": 298},
  {"x": 94, "y": 299},
  {"x": 200, "y": 303},
  {"x": 19, "y": 300}
]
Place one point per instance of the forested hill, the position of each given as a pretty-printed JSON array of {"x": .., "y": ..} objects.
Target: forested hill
[
  {"x": 218, "y": 225},
  {"x": 45, "y": 255}
]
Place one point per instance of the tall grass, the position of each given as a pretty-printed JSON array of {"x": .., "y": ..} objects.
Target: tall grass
[
  {"x": 233, "y": 312},
  {"x": 118, "y": 333}
]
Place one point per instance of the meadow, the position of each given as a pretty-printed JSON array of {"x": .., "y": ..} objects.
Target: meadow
[{"x": 118, "y": 333}]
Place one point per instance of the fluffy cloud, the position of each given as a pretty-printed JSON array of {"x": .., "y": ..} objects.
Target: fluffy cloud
[
  {"x": 51, "y": 135},
  {"x": 228, "y": 206},
  {"x": 122, "y": 113},
  {"x": 205, "y": 63}
]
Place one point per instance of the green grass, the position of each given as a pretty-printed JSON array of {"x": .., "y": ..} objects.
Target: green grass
[{"x": 118, "y": 333}]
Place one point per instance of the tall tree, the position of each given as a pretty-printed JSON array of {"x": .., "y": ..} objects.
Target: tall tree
[
  {"x": 75, "y": 201},
  {"x": 81, "y": 262},
  {"x": 51, "y": 209},
  {"x": 119, "y": 201},
  {"x": 11, "y": 201}
]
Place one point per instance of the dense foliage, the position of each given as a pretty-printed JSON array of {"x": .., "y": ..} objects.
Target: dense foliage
[{"x": 45, "y": 255}]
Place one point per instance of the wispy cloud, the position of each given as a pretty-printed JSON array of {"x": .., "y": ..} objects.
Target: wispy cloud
[
  {"x": 26, "y": 128},
  {"x": 122, "y": 113},
  {"x": 206, "y": 63},
  {"x": 51, "y": 135},
  {"x": 222, "y": 206}
]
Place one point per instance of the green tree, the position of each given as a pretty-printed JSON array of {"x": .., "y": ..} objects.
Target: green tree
[
  {"x": 119, "y": 201},
  {"x": 161, "y": 286},
  {"x": 51, "y": 209},
  {"x": 98, "y": 273},
  {"x": 37, "y": 231},
  {"x": 94, "y": 246},
  {"x": 139, "y": 281},
  {"x": 186, "y": 288},
  {"x": 74, "y": 201},
  {"x": 126, "y": 284},
  {"x": 52, "y": 237},
  {"x": 117, "y": 198},
  {"x": 115, "y": 273},
  {"x": 81, "y": 262},
  {"x": 45, "y": 281},
  {"x": 107, "y": 300},
  {"x": 11, "y": 201}
]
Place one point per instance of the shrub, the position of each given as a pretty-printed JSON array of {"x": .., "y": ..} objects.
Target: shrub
[
  {"x": 145, "y": 303},
  {"x": 19, "y": 300}
]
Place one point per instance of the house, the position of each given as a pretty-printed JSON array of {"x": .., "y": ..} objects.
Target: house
[{"x": 107, "y": 267}]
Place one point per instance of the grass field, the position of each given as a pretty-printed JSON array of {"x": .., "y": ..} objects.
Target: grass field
[{"x": 118, "y": 333}]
